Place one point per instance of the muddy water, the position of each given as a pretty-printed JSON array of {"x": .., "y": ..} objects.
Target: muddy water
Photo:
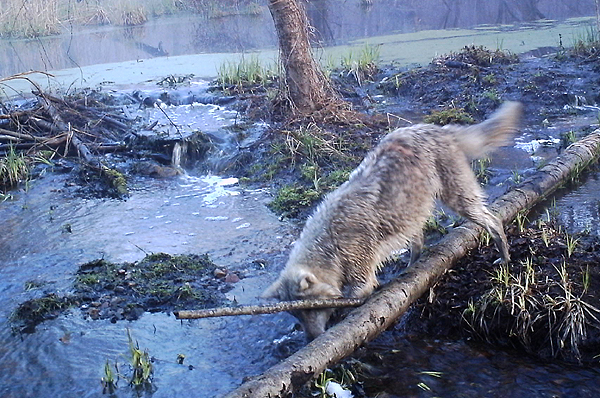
[
  {"x": 49, "y": 230},
  {"x": 404, "y": 32},
  {"x": 336, "y": 22},
  {"x": 423, "y": 367}
]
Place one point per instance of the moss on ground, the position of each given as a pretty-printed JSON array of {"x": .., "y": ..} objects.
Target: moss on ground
[{"x": 106, "y": 290}]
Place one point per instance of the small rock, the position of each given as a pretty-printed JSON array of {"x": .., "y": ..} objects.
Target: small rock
[
  {"x": 232, "y": 278},
  {"x": 66, "y": 338},
  {"x": 94, "y": 313},
  {"x": 220, "y": 273}
]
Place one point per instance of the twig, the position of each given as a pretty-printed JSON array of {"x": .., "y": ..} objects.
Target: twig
[
  {"x": 268, "y": 308},
  {"x": 9, "y": 138},
  {"x": 17, "y": 135}
]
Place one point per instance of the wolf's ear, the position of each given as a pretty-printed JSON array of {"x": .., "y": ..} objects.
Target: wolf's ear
[
  {"x": 307, "y": 280},
  {"x": 273, "y": 290}
]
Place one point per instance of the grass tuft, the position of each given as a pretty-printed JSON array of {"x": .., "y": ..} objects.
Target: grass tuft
[
  {"x": 244, "y": 75},
  {"x": 14, "y": 168}
]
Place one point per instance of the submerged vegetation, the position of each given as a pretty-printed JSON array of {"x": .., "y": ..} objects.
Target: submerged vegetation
[{"x": 139, "y": 364}]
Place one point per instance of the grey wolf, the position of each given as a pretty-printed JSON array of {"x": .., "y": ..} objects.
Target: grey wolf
[{"x": 383, "y": 207}]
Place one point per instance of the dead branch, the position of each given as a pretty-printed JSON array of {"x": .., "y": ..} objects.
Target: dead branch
[
  {"x": 268, "y": 308},
  {"x": 81, "y": 126},
  {"x": 8, "y": 138},
  {"x": 84, "y": 152},
  {"x": 16, "y": 135}
]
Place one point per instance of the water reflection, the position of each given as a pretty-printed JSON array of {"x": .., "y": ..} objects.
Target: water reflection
[
  {"x": 413, "y": 366},
  {"x": 335, "y": 22}
]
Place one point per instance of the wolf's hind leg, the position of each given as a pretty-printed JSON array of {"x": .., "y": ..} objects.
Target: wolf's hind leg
[
  {"x": 462, "y": 193},
  {"x": 476, "y": 211},
  {"x": 493, "y": 226}
]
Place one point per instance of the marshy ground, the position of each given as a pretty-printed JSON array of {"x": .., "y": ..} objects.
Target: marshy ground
[{"x": 543, "y": 303}]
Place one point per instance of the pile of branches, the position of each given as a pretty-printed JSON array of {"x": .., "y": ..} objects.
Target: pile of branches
[{"x": 78, "y": 126}]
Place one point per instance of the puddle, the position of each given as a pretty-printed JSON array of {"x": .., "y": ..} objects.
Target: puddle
[{"x": 406, "y": 35}]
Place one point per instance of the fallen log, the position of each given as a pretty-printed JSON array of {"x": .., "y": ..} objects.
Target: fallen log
[
  {"x": 383, "y": 308},
  {"x": 267, "y": 308}
]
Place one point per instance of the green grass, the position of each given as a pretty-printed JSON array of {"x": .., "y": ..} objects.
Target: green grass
[
  {"x": 291, "y": 199},
  {"x": 567, "y": 138},
  {"x": 323, "y": 160},
  {"x": 362, "y": 66},
  {"x": 14, "y": 168},
  {"x": 533, "y": 309},
  {"x": 481, "y": 168},
  {"x": 449, "y": 116},
  {"x": 244, "y": 74},
  {"x": 587, "y": 43}
]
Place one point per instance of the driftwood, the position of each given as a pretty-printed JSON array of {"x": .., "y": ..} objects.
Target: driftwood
[
  {"x": 267, "y": 308},
  {"x": 383, "y": 308},
  {"x": 86, "y": 123}
]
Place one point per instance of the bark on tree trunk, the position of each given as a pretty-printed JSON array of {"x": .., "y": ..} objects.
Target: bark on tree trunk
[
  {"x": 308, "y": 90},
  {"x": 386, "y": 306},
  {"x": 598, "y": 16}
]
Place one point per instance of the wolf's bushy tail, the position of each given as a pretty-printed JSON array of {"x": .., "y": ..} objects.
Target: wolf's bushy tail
[{"x": 477, "y": 140}]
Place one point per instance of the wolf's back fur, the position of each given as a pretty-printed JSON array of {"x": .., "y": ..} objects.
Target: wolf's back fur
[{"x": 384, "y": 206}]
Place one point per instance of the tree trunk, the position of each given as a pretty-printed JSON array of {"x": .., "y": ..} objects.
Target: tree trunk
[
  {"x": 386, "y": 306},
  {"x": 597, "y": 16},
  {"x": 308, "y": 90}
]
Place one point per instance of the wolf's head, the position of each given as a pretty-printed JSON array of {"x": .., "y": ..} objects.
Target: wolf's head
[{"x": 300, "y": 284}]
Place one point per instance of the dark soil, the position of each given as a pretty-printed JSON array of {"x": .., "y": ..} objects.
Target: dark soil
[{"x": 455, "y": 307}]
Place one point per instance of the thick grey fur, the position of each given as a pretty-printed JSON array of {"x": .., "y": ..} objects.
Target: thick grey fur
[{"x": 384, "y": 205}]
